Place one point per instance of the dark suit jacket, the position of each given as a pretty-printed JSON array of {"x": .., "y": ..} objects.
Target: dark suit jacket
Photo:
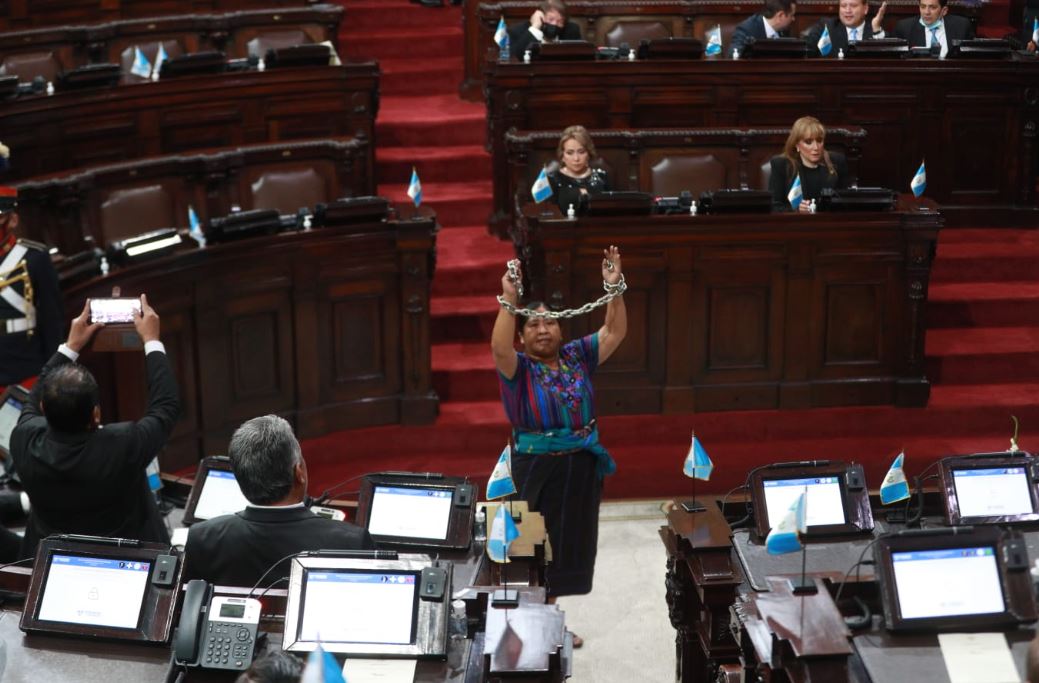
[
  {"x": 236, "y": 550},
  {"x": 956, "y": 28},
  {"x": 838, "y": 35},
  {"x": 812, "y": 181},
  {"x": 94, "y": 482},
  {"x": 752, "y": 27},
  {"x": 520, "y": 38}
]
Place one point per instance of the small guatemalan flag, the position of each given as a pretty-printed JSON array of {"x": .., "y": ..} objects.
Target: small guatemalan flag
[
  {"x": 785, "y": 537},
  {"x": 1035, "y": 30},
  {"x": 542, "y": 189},
  {"x": 415, "y": 187},
  {"x": 794, "y": 195},
  {"x": 501, "y": 484},
  {"x": 160, "y": 57},
  {"x": 714, "y": 41},
  {"x": 824, "y": 44},
  {"x": 894, "y": 488},
  {"x": 141, "y": 66},
  {"x": 919, "y": 182},
  {"x": 322, "y": 667},
  {"x": 501, "y": 34},
  {"x": 503, "y": 533},
  {"x": 697, "y": 463}
]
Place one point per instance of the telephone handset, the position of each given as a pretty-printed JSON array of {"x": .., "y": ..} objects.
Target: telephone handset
[{"x": 216, "y": 632}]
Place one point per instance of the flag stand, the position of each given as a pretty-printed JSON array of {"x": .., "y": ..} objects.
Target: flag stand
[
  {"x": 505, "y": 597},
  {"x": 693, "y": 505},
  {"x": 803, "y": 585}
]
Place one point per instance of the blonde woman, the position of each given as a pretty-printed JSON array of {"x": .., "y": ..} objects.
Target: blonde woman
[
  {"x": 805, "y": 156},
  {"x": 575, "y": 179}
]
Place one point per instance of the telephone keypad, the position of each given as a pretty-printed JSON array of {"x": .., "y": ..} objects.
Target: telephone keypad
[{"x": 228, "y": 646}]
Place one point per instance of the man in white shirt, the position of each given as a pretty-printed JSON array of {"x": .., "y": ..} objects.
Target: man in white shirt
[
  {"x": 849, "y": 26},
  {"x": 773, "y": 22}
]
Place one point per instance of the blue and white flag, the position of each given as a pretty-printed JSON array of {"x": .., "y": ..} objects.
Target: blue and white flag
[
  {"x": 785, "y": 537},
  {"x": 894, "y": 487},
  {"x": 141, "y": 66},
  {"x": 714, "y": 41},
  {"x": 697, "y": 464},
  {"x": 500, "y": 484},
  {"x": 415, "y": 187},
  {"x": 322, "y": 667},
  {"x": 195, "y": 227},
  {"x": 160, "y": 57},
  {"x": 503, "y": 533},
  {"x": 1035, "y": 30},
  {"x": 824, "y": 44},
  {"x": 794, "y": 195},
  {"x": 919, "y": 182},
  {"x": 501, "y": 34},
  {"x": 541, "y": 189}
]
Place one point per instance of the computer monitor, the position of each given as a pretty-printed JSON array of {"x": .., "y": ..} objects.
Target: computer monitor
[
  {"x": 959, "y": 577},
  {"x": 11, "y": 402},
  {"x": 108, "y": 588},
  {"x": 420, "y": 510},
  {"x": 837, "y": 497},
  {"x": 369, "y": 607},
  {"x": 990, "y": 488},
  {"x": 215, "y": 491}
]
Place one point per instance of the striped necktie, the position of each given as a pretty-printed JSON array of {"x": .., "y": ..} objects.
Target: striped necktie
[
  {"x": 854, "y": 34},
  {"x": 934, "y": 37}
]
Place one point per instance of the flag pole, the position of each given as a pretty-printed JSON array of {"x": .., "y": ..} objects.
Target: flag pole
[
  {"x": 693, "y": 505},
  {"x": 804, "y": 586}
]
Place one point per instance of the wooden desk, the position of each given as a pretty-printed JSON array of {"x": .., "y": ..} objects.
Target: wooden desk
[
  {"x": 77, "y": 129},
  {"x": 973, "y": 121},
  {"x": 328, "y": 328},
  {"x": 616, "y": 21},
  {"x": 749, "y": 311}
]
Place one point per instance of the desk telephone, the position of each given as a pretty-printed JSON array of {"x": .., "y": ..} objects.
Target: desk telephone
[{"x": 216, "y": 632}]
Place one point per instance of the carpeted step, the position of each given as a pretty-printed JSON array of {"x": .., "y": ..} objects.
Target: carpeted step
[
  {"x": 464, "y": 371},
  {"x": 429, "y": 76},
  {"x": 428, "y": 120},
  {"x": 469, "y": 262},
  {"x": 985, "y": 262},
  {"x": 434, "y": 164},
  {"x": 982, "y": 304},
  {"x": 462, "y": 318},
  {"x": 412, "y": 44},
  {"x": 454, "y": 203},
  {"x": 983, "y": 355},
  {"x": 382, "y": 15}
]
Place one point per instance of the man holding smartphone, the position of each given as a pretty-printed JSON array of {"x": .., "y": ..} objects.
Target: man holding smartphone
[
  {"x": 31, "y": 315},
  {"x": 83, "y": 477}
]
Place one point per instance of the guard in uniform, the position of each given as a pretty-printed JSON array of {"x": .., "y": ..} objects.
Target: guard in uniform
[{"x": 31, "y": 315}]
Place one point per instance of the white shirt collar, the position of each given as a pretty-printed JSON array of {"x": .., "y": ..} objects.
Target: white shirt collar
[
  {"x": 769, "y": 31},
  {"x": 861, "y": 28},
  {"x": 276, "y": 507}
]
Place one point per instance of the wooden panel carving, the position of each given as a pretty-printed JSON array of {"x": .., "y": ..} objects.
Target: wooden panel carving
[
  {"x": 255, "y": 356},
  {"x": 738, "y": 328},
  {"x": 854, "y": 323},
  {"x": 357, "y": 334}
]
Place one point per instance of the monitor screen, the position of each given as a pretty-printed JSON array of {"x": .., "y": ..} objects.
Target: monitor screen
[
  {"x": 220, "y": 495},
  {"x": 947, "y": 582},
  {"x": 98, "y": 591},
  {"x": 995, "y": 491},
  {"x": 410, "y": 512},
  {"x": 825, "y": 504},
  {"x": 9, "y": 412},
  {"x": 352, "y": 606}
]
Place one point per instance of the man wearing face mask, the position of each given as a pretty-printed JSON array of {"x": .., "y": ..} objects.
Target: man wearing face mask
[
  {"x": 548, "y": 23},
  {"x": 935, "y": 29}
]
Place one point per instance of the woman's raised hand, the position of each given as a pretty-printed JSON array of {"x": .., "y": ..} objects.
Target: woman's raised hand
[{"x": 611, "y": 265}]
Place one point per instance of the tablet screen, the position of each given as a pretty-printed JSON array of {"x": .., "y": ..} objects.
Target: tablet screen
[
  {"x": 376, "y": 607},
  {"x": 410, "y": 512},
  {"x": 990, "y": 492},
  {"x": 825, "y": 504},
  {"x": 947, "y": 582},
  {"x": 220, "y": 495},
  {"x": 9, "y": 412},
  {"x": 98, "y": 591}
]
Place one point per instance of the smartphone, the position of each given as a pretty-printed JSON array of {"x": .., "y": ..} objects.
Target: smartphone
[{"x": 120, "y": 310}]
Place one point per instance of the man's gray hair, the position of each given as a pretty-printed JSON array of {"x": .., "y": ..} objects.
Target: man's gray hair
[{"x": 264, "y": 453}]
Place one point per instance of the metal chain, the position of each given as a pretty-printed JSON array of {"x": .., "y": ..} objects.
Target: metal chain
[{"x": 612, "y": 292}]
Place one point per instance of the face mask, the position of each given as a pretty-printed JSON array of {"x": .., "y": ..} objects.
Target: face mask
[
  {"x": 551, "y": 31},
  {"x": 930, "y": 26}
]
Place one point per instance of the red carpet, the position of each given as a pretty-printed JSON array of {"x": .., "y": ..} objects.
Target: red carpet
[{"x": 983, "y": 317}]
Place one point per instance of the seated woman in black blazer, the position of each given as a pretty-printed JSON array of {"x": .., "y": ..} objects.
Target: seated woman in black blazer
[
  {"x": 804, "y": 155},
  {"x": 574, "y": 180}
]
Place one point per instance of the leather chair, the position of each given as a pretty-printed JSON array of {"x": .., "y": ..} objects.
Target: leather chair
[
  {"x": 258, "y": 46},
  {"x": 29, "y": 65},
  {"x": 288, "y": 190},
  {"x": 634, "y": 32},
  {"x": 674, "y": 174},
  {"x": 132, "y": 211}
]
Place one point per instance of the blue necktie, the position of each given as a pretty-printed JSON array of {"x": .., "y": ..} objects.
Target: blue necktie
[
  {"x": 934, "y": 37},
  {"x": 854, "y": 34}
]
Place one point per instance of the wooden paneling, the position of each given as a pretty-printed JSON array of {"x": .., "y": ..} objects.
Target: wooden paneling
[
  {"x": 18, "y": 14},
  {"x": 973, "y": 121},
  {"x": 765, "y": 311},
  {"x": 306, "y": 325}
]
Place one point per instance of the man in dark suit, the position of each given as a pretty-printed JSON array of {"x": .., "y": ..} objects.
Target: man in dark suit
[
  {"x": 238, "y": 549},
  {"x": 849, "y": 26},
  {"x": 82, "y": 477},
  {"x": 547, "y": 23},
  {"x": 936, "y": 28},
  {"x": 773, "y": 22}
]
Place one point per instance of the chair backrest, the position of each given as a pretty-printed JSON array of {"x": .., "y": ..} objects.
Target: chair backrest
[
  {"x": 288, "y": 190},
  {"x": 131, "y": 211},
  {"x": 28, "y": 65},
  {"x": 633, "y": 32},
  {"x": 273, "y": 40},
  {"x": 695, "y": 172}
]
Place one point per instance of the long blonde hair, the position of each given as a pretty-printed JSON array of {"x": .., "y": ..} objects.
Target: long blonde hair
[{"x": 805, "y": 128}]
